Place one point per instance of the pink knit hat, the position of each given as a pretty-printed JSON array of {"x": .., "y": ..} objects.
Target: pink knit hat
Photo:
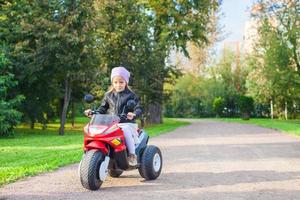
[{"x": 120, "y": 71}]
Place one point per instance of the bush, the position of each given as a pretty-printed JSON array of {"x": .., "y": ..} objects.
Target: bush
[
  {"x": 218, "y": 106},
  {"x": 246, "y": 106},
  {"x": 261, "y": 110}
]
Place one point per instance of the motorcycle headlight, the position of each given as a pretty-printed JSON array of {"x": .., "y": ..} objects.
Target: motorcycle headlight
[
  {"x": 111, "y": 129},
  {"x": 92, "y": 131}
]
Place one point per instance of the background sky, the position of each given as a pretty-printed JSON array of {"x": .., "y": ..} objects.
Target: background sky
[{"x": 235, "y": 14}]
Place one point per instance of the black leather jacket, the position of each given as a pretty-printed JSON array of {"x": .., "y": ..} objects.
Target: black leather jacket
[{"x": 114, "y": 103}]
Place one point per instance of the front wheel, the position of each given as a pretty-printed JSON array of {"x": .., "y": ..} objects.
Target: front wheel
[
  {"x": 89, "y": 169},
  {"x": 151, "y": 163}
]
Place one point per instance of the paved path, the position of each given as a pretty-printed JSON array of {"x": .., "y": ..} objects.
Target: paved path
[{"x": 206, "y": 160}]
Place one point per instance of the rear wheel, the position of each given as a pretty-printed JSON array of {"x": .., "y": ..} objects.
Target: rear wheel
[
  {"x": 89, "y": 170},
  {"x": 115, "y": 173},
  {"x": 151, "y": 163}
]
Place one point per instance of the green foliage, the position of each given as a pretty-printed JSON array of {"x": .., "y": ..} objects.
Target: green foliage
[
  {"x": 186, "y": 103},
  {"x": 158, "y": 26},
  {"x": 190, "y": 97},
  {"x": 9, "y": 116},
  {"x": 246, "y": 106},
  {"x": 274, "y": 64},
  {"x": 58, "y": 49},
  {"x": 174, "y": 23},
  {"x": 288, "y": 126},
  {"x": 124, "y": 40},
  {"x": 51, "y": 43},
  {"x": 177, "y": 22},
  {"x": 218, "y": 106},
  {"x": 194, "y": 95}
]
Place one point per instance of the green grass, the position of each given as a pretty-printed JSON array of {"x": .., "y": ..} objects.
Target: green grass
[
  {"x": 30, "y": 152},
  {"x": 289, "y": 126}
]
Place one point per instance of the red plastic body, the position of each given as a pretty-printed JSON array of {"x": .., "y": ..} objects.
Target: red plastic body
[{"x": 101, "y": 141}]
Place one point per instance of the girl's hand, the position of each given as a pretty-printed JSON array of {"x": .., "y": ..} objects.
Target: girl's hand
[
  {"x": 130, "y": 115},
  {"x": 88, "y": 112}
]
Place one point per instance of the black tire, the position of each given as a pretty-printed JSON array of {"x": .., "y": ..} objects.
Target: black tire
[
  {"x": 148, "y": 168},
  {"x": 115, "y": 173},
  {"x": 89, "y": 170}
]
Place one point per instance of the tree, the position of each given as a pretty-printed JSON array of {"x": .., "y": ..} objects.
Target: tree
[
  {"x": 75, "y": 49},
  {"x": 174, "y": 23},
  {"x": 193, "y": 96},
  {"x": 230, "y": 72},
  {"x": 125, "y": 39},
  {"x": 158, "y": 26},
  {"x": 9, "y": 115},
  {"x": 53, "y": 47},
  {"x": 275, "y": 76},
  {"x": 284, "y": 18},
  {"x": 186, "y": 97}
]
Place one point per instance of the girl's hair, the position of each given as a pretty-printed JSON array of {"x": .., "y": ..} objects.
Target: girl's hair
[{"x": 111, "y": 88}]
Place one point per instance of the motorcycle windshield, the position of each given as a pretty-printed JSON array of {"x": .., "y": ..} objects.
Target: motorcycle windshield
[{"x": 104, "y": 120}]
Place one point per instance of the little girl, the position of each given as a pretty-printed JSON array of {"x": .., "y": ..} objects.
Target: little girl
[{"x": 114, "y": 102}]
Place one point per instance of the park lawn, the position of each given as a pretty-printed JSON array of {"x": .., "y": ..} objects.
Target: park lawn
[
  {"x": 288, "y": 126},
  {"x": 30, "y": 152}
]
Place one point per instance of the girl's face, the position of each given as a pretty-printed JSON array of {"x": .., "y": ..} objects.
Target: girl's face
[{"x": 118, "y": 83}]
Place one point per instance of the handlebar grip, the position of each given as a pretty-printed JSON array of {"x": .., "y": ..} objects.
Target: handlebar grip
[
  {"x": 93, "y": 112},
  {"x": 123, "y": 116}
]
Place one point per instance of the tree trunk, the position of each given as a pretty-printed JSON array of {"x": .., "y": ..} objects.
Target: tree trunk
[
  {"x": 44, "y": 126},
  {"x": 67, "y": 97},
  {"x": 285, "y": 111},
  {"x": 271, "y": 105},
  {"x": 154, "y": 113},
  {"x": 60, "y": 106},
  {"x": 32, "y": 122},
  {"x": 155, "y": 104},
  {"x": 73, "y": 114},
  {"x": 295, "y": 56}
]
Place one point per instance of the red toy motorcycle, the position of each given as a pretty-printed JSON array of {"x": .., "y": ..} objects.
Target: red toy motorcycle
[{"x": 105, "y": 151}]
